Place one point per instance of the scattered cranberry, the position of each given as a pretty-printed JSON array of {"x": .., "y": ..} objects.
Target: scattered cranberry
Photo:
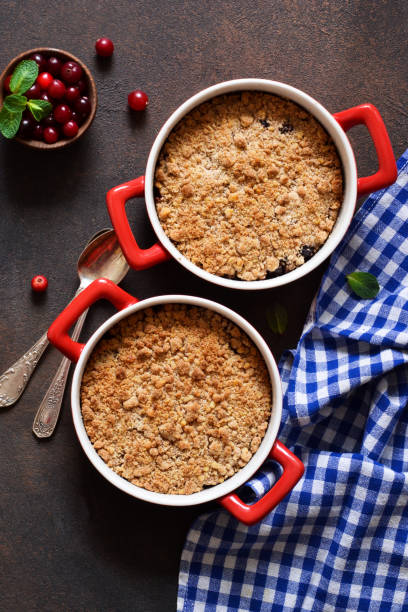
[
  {"x": 41, "y": 61},
  {"x": 26, "y": 128},
  {"x": 44, "y": 80},
  {"x": 56, "y": 89},
  {"x": 71, "y": 72},
  {"x": 33, "y": 92},
  {"x": 7, "y": 83},
  {"x": 138, "y": 100},
  {"x": 72, "y": 93},
  {"x": 46, "y": 97},
  {"x": 70, "y": 129},
  {"x": 39, "y": 283},
  {"x": 81, "y": 85},
  {"x": 54, "y": 66},
  {"x": 50, "y": 135},
  {"x": 38, "y": 131},
  {"x": 62, "y": 113},
  {"x": 104, "y": 47},
  {"x": 83, "y": 105}
]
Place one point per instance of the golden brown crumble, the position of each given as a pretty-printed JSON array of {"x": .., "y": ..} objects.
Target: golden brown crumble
[
  {"x": 176, "y": 398},
  {"x": 248, "y": 185}
]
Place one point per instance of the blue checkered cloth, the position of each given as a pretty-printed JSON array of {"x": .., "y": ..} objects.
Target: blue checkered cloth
[{"x": 339, "y": 540}]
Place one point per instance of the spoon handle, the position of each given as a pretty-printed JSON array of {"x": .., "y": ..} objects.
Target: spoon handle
[
  {"x": 48, "y": 412},
  {"x": 14, "y": 380}
]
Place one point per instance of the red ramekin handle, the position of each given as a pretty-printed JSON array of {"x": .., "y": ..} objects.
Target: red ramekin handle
[
  {"x": 368, "y": 115},
  {"x": 99, "y": 289},
  {"x": 293, "y": 470},
  {"x": 137, "y": 258}
]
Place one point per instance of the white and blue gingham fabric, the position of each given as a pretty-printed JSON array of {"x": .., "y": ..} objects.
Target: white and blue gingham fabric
[{"x": 339, "y": 541}]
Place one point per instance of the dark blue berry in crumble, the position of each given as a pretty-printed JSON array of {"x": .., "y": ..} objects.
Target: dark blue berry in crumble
[
  {"x": 279, "y": 271},
  {"x": 264, "y": 123},
  {"x": 286, "y": 127},
  {"x": 307, "y": 252}
]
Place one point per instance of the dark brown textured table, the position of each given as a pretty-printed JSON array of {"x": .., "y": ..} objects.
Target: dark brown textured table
[{"x": 68, "y": 539}]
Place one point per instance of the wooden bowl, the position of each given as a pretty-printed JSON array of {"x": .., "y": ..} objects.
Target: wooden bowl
[{"x": 92, "y": 95}]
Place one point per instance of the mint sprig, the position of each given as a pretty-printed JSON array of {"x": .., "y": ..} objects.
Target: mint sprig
[
  {"x": 15, "y": 103},
  {"x": 9, "y": 122},
  {"x": 364, "y": 284},
  {"x": 24, "y": 76},
  {"x": 39, "y": 108},
  {"x": 277, "y": 318}
]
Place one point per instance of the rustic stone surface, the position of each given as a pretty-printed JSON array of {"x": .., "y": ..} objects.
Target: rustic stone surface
[{"x": 69, "y": 540}]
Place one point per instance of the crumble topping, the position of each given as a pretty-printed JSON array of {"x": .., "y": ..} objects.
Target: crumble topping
[
  {"x": 248, "y": 186},
  {"x": 176, "y": 398}
]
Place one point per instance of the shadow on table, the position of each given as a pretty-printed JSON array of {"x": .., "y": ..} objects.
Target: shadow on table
[{"x": 47, "y": 173}]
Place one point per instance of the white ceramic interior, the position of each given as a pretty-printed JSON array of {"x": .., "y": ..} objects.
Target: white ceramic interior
[
  {"x": 328, "y": 122},
  {"x": 214, "y": 492}
]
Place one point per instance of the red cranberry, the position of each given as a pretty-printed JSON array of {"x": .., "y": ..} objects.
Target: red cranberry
[
  {"x": 104, "y": 47},
  {"x": 45, "y": 96},
  {"x": 77, "y": 117},
  {"x": 50, "y": 135},
  {"x": 41, "y": 61},
  {"x": 49, "y": 121},
  {"x": 138, "y": 100},
  {"x": 44, "y": 80},
  {"x": 38, "y": 131},
  {"x": 82, "y": 105},
  {"x": 72, "y": 93},
  {"x": 71, "y": 72},
  {"x": 62, "y": 113},
  {"x": 39, "y": 283},
  {"x": 7, "y": 83},
  {"x": 54, "y": 66},
  {"x": 81, "y": 85},
  {"x": 33, "y": 92},
  {"x": 70, "y": 129},
  {"x": 26, "y": 128},
  {"x": 56, "y": 89}
]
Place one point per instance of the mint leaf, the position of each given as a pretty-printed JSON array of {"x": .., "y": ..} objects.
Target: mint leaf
[
  {"x": 15, "y": 103},
  {"x": 24, "y": 76},
  {"x": 39, "y": 108},
  {"x": 9, "y": 122},
  {"x": 277, "y": 318},
  {"x": 364, "y": 284}
]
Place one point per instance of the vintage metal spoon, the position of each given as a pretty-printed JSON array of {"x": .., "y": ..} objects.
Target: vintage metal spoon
[{"x": 103, "y": 257}]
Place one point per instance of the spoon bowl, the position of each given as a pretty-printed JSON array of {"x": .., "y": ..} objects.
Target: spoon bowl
[{"x": 102, "y": 257}]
